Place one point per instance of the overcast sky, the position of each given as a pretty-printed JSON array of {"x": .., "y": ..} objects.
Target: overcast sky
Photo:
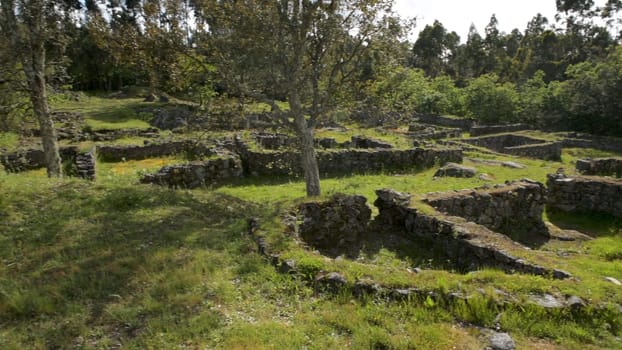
[{"x": 457, "y": 15}]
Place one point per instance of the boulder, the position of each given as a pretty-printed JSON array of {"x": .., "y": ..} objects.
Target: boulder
[{"x": 455, "y": 170}]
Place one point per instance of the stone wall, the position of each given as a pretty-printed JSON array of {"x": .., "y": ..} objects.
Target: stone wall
[
  {"x": 478, "y": 130},
  {"x": 196, "y": 174},
  {"x": 339, "y": 162},
  {"x": 512, "y": 209},
  {"x": 578, "y": 194},
  {"x": 428, "y": 132},
  {"x": 600, "y": 166},
  {"x": 603, "y": 143},
  {"x": 462, "y": 123},
  {"x": 467, "y": 245},
  {"x": 118, "y": 153},
  {"x": 519, "y": 145},
  {"x": 32, "y": 159},
  {"x": 86, "y": 165},
  {"x": 333, "y": 224}
]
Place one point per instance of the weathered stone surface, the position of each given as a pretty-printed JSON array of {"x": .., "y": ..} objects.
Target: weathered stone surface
[
  {"x": 86, "y": 165},
  {"x": 455, "y": 170},
  {"x": 613, "y": 280},
  {"x": 391, "y": 204},
  {"x": 547, "y": 301},
  {"x": 512, "y": 209},
  {"x": 331, "y": 282},
  {"x": 519, "y": 145},
  {"x": 349, "y": 161},
  {"x": 600, "y": 166},
  {"x": 576, "y": 194},
  {"x": 196, "y": 174},
  {"x": 33, "y": 159},
  {"x": 462, "y": 123},
  {"x": 120, "y": 153},
  {"x": 335, "y": 223},
  {"x": 501, "y": 341},
  {"x": 467, "y": 245},
  {"x": 170, "y": 118},
  {"x": 367, "y": 142},
  {"x": 478, "y": 130}
]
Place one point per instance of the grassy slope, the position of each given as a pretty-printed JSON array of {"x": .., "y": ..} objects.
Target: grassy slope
[{"x": 87, "y": 265}]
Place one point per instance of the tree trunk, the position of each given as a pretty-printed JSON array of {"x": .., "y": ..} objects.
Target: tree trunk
[
  {"x": 35, "y": 74},
  {"x": 309, "y": 161},
  {"x": 307, "y": 146}
]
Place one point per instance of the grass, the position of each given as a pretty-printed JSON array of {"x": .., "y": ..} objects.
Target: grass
[
  {"x": 9, "y": 140},
  {"x": 115, "y": 264},
  {"x": 106, "y": 113}
]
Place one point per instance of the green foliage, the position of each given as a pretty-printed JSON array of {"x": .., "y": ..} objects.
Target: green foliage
[
  {"x": 592, "y": 94},
  {"x": 489, "y": 101}
]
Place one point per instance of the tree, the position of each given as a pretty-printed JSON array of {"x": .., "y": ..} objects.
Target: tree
[
  {"x": 308, "y": 52},
  {"x": 32, "y": 26},
  {"x": 434, "y": 48}
]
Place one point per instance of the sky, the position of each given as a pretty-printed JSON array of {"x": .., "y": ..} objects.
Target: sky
[{"x": 457, "y": 15}]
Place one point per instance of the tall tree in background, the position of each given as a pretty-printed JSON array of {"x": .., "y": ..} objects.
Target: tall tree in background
[
  {"x": 306, "y": 51},
  {"x": 434, "y": 48},
  {"x": 31, "y": 26}
]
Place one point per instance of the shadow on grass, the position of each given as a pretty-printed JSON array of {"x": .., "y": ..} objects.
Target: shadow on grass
[
  {"x": 594, "y": 224},
  {"x": 83, "y": 249}
]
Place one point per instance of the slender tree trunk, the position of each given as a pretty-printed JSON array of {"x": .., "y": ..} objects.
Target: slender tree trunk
[
  {"x": 34, "y": 69},
  {"x": 307, "y": 147}
]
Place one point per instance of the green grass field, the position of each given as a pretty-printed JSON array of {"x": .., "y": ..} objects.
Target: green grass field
[{"x": 114, "y": 264}]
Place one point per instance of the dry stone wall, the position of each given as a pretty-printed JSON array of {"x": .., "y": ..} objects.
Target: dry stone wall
[
  {"x": 339, "y": 162},
  {"x": 600, "y": 166},
  {"x": 334, "y": 224},
  {"x": 462, "y": 123},
  {"x": 519, "y": 145},
  {"x": 32, "y": 159},
  {"x": 478, "y": 130},
  {"x": 468, "y": 245},
  {"x": 511, "y": 209},
  {"x": 196, "y": 174},
  {"x": 579, "y": 194},
  {"x": 115, "y": 153}
]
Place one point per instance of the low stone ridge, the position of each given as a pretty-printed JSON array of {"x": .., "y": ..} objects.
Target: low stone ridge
[
  {"x": 275, "y": 141},
  {"x": 462, "y": 123},
  {"x": 578, "y": 194},
  {"x": 455, "y": 170},
  {"x": 171, "y": 118},
  {"x": 32, "y": 159},
  {"x": 335, "y": 223},
  {"x": 600, "y": 166},
  {"x": 429, "y": 132},
  {"x": 367, "y": 142},
  {"x": 478, "y": 130},
  {"x": 519, "y": 145},
  {"x": 391, "y": 204},
  {"x": 337, "y": 162},
  {"x": 603, "y": 143},
  {"x": 513, "y": 209},
  {"x": 118, "y": 153},
  {"x": 196, "y": 174},
  {"x": 85, "y": 165}
]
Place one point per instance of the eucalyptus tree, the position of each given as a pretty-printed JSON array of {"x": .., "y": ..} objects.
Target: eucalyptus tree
[
  {"x": 32, "y": 28},
  {"x": 302, "y": 51}
]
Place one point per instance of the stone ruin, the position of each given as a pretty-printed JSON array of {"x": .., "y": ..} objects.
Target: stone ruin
[
  {"x": 519, "y": 145},
  {"x": 80, "y": 164},
  {"x": 461, "y": 123},
  {"x": 584, "y": 194},
  {"x": 478, "y": 130},
  {"x": 514, "y": 209},
  {"x": 331, "y": 225},
  {"x": 196, "y": 174},
  {"x": 600, "y": 166}
]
